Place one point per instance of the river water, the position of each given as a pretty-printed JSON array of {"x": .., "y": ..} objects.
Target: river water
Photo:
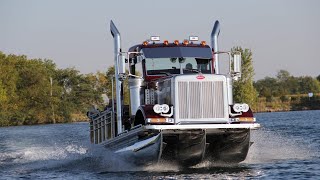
[{"x": 287, "y": 146}]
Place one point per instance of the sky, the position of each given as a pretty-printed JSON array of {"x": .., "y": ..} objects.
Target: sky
[{"x": 282, "y": 34}]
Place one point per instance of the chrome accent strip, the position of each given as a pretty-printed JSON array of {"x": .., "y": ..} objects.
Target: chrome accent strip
[
  {"x": 205, "y": 126},
  {"x": 214, "y": 45},
  {"x": 117, "y": 49}
]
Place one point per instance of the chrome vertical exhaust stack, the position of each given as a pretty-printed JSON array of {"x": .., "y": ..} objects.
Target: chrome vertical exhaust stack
[
  {"x": 214, "y": 45},
  {"x": 119, "y": 68}
]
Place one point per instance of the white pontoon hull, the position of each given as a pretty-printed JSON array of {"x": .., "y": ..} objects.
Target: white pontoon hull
[{"x": 185, "y": 144}]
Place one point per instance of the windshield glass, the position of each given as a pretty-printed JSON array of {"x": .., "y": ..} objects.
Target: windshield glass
[
  {"x": 168, "y": 52},
  {"x": 155, "y": 66}
]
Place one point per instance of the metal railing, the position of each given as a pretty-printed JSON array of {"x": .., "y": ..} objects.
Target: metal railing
[{"x": 102, "y": 127}]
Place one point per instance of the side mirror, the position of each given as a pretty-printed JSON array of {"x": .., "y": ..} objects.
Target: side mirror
[
  {"x": 237, "y": 65},
  {"x": 137, "y": 58}
]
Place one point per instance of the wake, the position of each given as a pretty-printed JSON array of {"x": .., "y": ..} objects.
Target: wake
[{"x": 268, "y": 147}]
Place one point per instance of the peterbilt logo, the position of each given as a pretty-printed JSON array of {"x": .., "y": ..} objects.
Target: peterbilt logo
[{"x": 200, "y": 76}]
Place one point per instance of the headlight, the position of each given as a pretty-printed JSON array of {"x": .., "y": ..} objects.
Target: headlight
[
  {"x": 241, "y": 107},
  {"x": 157, "y": 108},
  {"x": 164, "y": 108},
  {"x": 237, "y": 108},
  {"x": 245, "y": 107}
]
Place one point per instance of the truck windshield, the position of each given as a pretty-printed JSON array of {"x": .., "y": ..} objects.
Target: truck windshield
[
  {"x": 187, "y": 65},
  {"x": 180, "y": 51}
]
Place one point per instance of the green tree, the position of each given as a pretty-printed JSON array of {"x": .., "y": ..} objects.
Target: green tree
[
  {"x": 33, "y": 87},
  {"x": 34, "y": 91},
  {"x": 70, "y": 93},
  {"x": 293, "y": 85},
  {"x": 287, "y": 83},
  {"x": 283, "y": 75},
  {"x": 3, "y": 94},
  {"x": 110, "y": 76},
  {"x": 309, "y": 84},
  {"x": 3, "y": 101},
  {"x": 9, "y": 76},
  {"x": 283, "y": 87},
  {"x": 266, "y": 87},
  {"x": 244, "y": 90}
]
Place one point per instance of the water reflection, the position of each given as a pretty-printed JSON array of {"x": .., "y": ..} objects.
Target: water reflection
[{"x": 161, "y": 171}]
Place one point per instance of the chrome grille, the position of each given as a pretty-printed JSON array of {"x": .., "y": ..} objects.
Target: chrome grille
[{"x": 200, "y": 99}]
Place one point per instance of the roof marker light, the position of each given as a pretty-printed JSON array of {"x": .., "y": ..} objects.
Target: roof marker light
[
  {"x": 193, "y": 38},
  {"x": 185, "y": 42},
  {"x": 203, "y": 43},
  {"x": 166, "y": 42},
  {"x": 145, "y": 43},
  {"x": 155, "y": 38},
  {"x": 176, "y": 42}
]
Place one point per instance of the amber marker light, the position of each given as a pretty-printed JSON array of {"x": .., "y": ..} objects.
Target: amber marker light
[
  {"x": 247, "y": 119},
  {"x": 203, "y": 43},
  {"x": 160, "y": 120},
  {"x": 176, "y": 42},
  {"x": 145, "y": 43},
  {"x": 157, "y": 120},
  {"x": 166, "y": 42},
  {"x": 185, "y": 42}
]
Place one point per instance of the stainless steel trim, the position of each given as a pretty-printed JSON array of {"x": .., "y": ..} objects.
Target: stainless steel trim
[
  {"x": 205, "y": 126},
  {"x": 135, "y": 88},
  {"x": 117, "y": 49},
  {"x": 199, "y": 100},
  {"x": 214, "y": 44}
]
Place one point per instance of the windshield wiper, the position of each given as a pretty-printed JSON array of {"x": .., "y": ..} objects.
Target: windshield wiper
[
  {"x": 192, "y": 70},
  {"x": 166, "y": 73}
]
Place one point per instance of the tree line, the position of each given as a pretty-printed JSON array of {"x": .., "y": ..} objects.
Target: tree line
[
  {"x": 285, "y": 84},
  {"x": 35, "y": 91},
  {"x": 286, "y": 93}
]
